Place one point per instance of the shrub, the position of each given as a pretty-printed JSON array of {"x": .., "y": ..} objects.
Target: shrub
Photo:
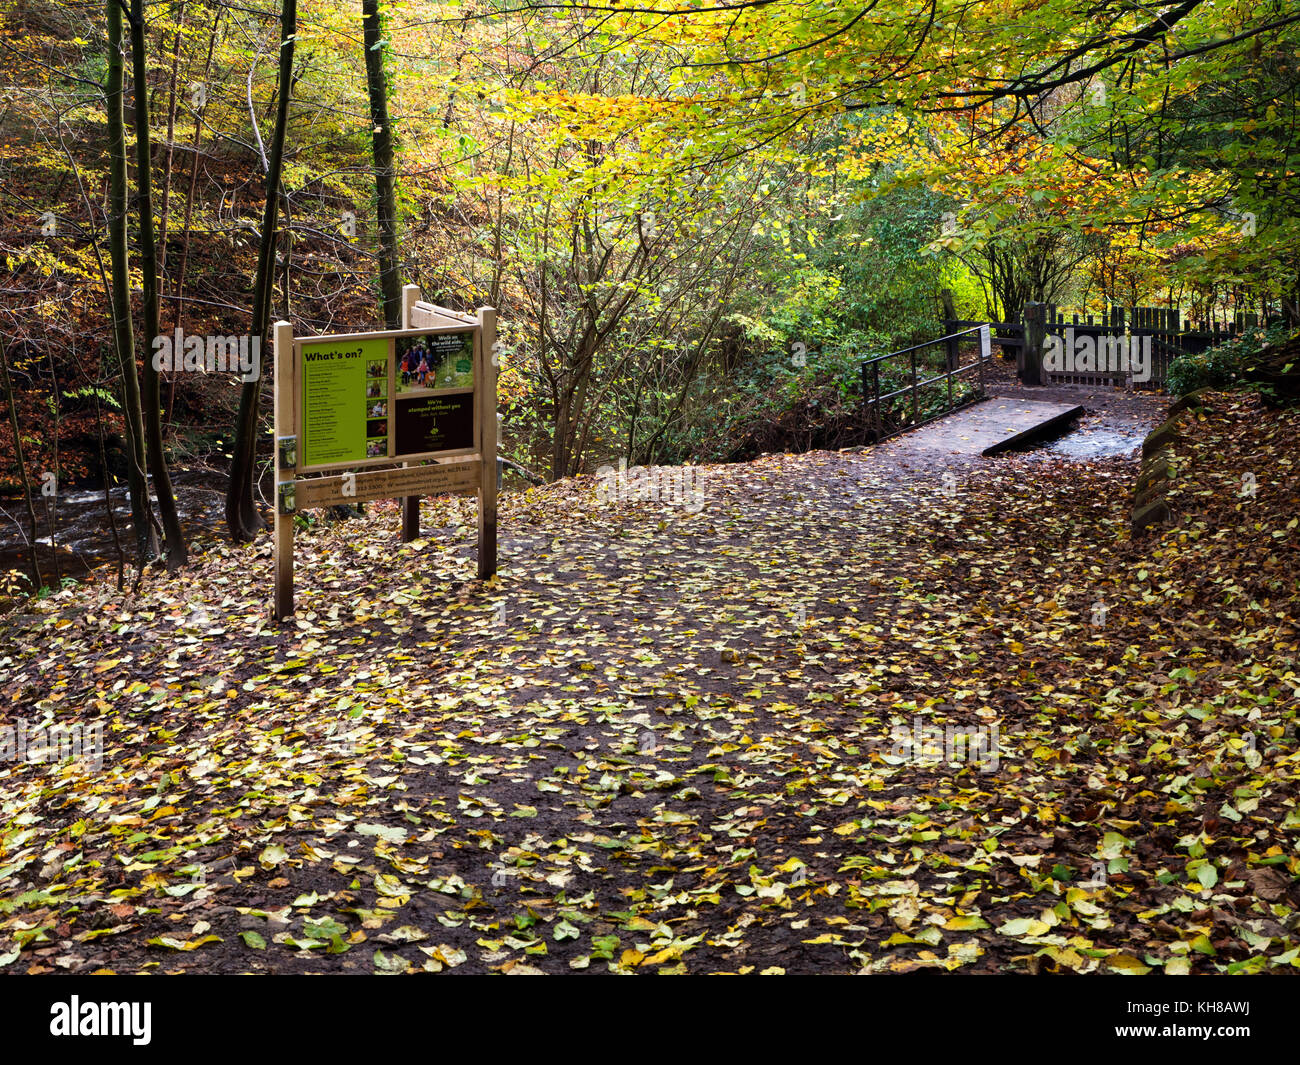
[{"x": 1227, "y": 365}]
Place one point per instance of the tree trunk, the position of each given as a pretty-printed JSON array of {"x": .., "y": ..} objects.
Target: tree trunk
[
  {"x": 178, "y": 284},
  {"x": 146, "y": 544},
  {"x": 165, "y": 213},
  {"x": 242, "y": 518},
  {"x": 381, "y": 140},
  {"x": 37, "y": 580},
  {"x": 198, "y": 105},
  {"x": 152, "y": 399},
  {"x": 52, "y": 508}
]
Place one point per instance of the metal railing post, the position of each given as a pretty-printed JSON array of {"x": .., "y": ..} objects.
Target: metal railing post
[
  {"x": 873, "y": 395},
  {"x": 914, "y": 386}
]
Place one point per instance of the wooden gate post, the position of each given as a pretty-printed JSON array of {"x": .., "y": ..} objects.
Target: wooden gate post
[
  {"x": 950, "y": 327},
  {"x": 286, "y": 468},
  {"x": 1031, "y": 369},
  {"x": 486, "y": 402}
]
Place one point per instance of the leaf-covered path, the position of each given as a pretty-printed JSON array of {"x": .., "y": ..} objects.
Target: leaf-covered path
[{"x": 665, "y": 738}]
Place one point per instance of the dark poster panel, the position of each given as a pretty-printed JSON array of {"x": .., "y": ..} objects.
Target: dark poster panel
[{"x": 434, "y": 423}]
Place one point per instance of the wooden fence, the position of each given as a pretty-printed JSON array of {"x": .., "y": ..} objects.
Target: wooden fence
[{"x": 1170, "y": 336}]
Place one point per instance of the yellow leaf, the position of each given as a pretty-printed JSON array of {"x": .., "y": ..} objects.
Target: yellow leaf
[
  {"x": 1127, "y": 964},
  {"x": 966, "y": 923}
]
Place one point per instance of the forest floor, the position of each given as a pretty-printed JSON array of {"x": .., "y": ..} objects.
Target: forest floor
[{"x": 696, "y": 734}]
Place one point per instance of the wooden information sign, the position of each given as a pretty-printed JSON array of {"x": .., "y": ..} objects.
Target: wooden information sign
[{"x": 350, "y": 407}]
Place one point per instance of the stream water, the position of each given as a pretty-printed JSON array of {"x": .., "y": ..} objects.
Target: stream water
[
  {"x": 1102, "y": 443},
  {"x": 82, "y": 533}
]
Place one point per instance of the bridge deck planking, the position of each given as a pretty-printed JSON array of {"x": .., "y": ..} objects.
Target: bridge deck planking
[{"x": 993, "y": 426}]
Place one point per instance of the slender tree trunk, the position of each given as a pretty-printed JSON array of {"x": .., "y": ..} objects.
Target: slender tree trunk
[
  {"x": 242, "y": 518},
  {"x": 382, "y": 144},
  {"x": 37, "y": 580},
  {"x": 52, "y": 505},
  {"x": 146, "y": 544},
  {"x": 152, "y": 399},
  {"x": 178, "y": 285},
  {"x": 165, "y": 212}
]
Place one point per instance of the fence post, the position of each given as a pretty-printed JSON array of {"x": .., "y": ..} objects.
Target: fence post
[
  {"x": 1031, "y": 369},
  {"x": 950, "y": 326},
  {"x": 913, "y": 386},
  {"x": 485, "y": 400},
  {"x": 285, "y": 372},
  {"x": 986, "y": 351}
]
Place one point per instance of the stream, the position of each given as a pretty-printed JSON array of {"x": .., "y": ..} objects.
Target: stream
[{"x": 82, "y": 533}]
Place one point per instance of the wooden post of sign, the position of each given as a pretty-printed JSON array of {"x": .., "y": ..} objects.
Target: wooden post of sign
[
  {"x": 485, "y": 401},
  {"x": 410, "y": 504},
  {"x": 284, "y": 427}
]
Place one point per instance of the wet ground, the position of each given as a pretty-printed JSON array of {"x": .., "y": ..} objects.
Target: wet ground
[{"x": 1113, "y": 425}]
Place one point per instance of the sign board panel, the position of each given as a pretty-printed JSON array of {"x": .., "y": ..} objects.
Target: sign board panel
[
  {"x": 435, "y": 360},
  {"x": 372, "y": 398},
  {"x": 449, "y": 478},
  {"x": 341, "y": 385},
  {"x": 347, "y": 402},
  {"x": 435, "y": 421}
]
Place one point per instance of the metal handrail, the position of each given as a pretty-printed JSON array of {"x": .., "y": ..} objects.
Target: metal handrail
[
  {"x": 874, "y": 397},
  {"x": 926, "y": 344}
]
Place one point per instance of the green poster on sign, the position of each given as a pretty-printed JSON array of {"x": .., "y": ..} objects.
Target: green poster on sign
[
  {"x": 338, "y": 378},
  {"x": 435, "y": 361}
]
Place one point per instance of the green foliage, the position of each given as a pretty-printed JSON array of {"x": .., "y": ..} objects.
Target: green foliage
[
  {"x": 80, "y": 397},
  {"x": 891, "y": 284},
  {"x": 867, "y": 288},
  {"x": 810, "y": 310},
  {"x": 968, "y": 297},
  {"x": 47, "y": 590},
  {"x": 1224, "y": 366}
]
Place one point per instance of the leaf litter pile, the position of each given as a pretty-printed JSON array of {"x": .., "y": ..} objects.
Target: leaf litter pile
[{"x": 675, "y": 740}]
